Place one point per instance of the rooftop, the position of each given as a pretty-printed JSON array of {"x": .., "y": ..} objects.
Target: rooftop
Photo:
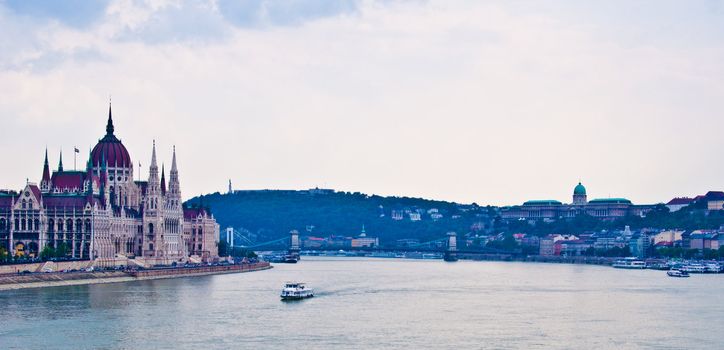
[
  {"x": 543, "y": 202},
  {"x": 609, "y": 201}
]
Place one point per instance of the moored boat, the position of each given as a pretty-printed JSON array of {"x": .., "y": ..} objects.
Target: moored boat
[
  {"x": 629, "y": 263},
  {"x": 694, "y": 268},
  {"x": 296, "y": 291}
]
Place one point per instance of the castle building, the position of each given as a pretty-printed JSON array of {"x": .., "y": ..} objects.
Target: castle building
[
  {"x": 103, "y": 214},
  {"x": 602, "y": 208}
]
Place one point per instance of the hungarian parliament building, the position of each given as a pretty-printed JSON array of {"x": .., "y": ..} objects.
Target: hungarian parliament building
[{"x": 103, "y": 214}]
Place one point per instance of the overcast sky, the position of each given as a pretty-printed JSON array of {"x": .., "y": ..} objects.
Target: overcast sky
[{"x": 493, "y": 102}]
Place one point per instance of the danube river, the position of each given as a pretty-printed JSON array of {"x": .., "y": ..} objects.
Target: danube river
[{"x": 378, "y": 304}]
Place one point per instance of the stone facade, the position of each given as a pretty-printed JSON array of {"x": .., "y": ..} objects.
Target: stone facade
[
  {"x": 103, "y": 213},
  {"x": 602, "y": 208}
]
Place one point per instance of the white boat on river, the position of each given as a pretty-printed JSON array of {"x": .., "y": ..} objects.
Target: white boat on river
[{"x": 296, "y": 291}]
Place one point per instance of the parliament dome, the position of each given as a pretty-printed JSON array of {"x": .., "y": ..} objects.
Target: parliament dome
[{"x": 110, "y": 149}]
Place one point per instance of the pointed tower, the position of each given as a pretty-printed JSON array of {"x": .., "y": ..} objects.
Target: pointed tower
[
  {"x": 109, "y": 125},
  {"x": 163, "y": 180},
  {"x": 154, "y": 184},
  {"x": 60, "y": 163},
  {"x": 152, "y": 214},
  {"x": 174, "y": 186},
  {"x": 45, "y": 181}
]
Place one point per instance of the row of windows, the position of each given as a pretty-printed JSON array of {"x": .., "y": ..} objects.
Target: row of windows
[{"x": 34, "y": 225}]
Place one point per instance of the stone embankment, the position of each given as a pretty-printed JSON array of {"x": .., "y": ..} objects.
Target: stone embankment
[{"x": 55, "y": 279}]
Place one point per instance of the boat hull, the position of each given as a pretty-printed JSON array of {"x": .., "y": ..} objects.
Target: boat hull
[
  {"x": 297, "y": 297},
  {"x": 677, "y": 275}
]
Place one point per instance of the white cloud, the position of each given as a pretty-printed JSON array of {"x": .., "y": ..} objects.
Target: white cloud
[{"x": 458, "y": 100}]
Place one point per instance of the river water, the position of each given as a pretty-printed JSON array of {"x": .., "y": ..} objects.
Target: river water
[{"x": 378, "y": 304}]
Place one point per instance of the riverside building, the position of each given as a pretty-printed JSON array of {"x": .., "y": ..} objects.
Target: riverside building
[{"x": 101, "y": 213}]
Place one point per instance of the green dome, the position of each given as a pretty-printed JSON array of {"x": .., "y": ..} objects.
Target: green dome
[{"x": 579, "y": 189}]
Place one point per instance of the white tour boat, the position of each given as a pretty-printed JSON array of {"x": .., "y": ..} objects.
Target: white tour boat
[
  {"x": 677, "y": 273},
  {"x": 296, "y": 291},
  {"x": 629, "y": 263}
]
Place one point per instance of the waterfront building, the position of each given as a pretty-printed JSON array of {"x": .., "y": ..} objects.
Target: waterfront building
[
  {"x": 103, "y": 213},
  {"x": 668, "y": 236},
  {"x": 314, "y": 242},
  {"x": 703, "y": 239},
  {"x": 547, "y": 246},
  {"x": 550, "y": 209},
  {"x": 362, "y": 241},
  {"x": 639, "y": 245},
  {"x": 201, "y": 233},
  {"x": 572, "y": 247}
]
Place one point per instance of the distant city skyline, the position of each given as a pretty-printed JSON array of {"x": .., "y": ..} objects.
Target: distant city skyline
[{"x": 494, "y": 103}]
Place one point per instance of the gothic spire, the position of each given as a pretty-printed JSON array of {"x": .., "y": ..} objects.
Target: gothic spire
[
  {"x": 153, "y": 156},
  {"x": 173, "y": 162},
  {"x": 46, "y": 168},
  {"x": 109, "y": 126},
  {"x": 173, "y": 183},
  {"x": 60, "y": 163},
  {"x": 163, "y": 179}
]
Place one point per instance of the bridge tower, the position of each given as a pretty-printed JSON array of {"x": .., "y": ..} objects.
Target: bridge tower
[
  {"x": 230, "y": 237},
  {"x": 451, "y": 251},
  {"x": 294, "y": 246}
]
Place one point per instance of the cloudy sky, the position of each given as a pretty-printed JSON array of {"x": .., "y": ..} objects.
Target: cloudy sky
[{"x": 493, "y": 102}]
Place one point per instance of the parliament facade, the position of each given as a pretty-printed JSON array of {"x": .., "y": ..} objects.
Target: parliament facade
[{"x": 101, "y": 213}]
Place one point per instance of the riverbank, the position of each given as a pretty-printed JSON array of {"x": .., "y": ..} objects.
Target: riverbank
[{"x": 57, "y": 279}]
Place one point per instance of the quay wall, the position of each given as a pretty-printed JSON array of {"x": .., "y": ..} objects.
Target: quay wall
[{"x": 39, "y": 280}]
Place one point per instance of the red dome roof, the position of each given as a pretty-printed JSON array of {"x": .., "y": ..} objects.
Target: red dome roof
[{"x": 110, "y": 149}]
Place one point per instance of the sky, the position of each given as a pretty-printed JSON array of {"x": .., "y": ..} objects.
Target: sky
[{"x": 493, "y": 102}]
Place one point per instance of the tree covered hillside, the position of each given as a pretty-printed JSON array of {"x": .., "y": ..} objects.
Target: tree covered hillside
[{"x": 272, "y": 214}]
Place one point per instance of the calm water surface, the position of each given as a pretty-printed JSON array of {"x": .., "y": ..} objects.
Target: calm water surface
[{"x": 375, "y": 304}]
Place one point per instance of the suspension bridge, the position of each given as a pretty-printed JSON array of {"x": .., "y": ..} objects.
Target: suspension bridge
[{"x": 291, "y": 245}]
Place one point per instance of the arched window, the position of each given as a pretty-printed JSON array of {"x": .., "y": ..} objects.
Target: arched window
[
  {"x": 87, "y": 225},
  {"x": 37, "y": 225},
  {"x": 150, "y": 229},
  {"x": 69, "y": 225},
  {"x": 60, "y": 225},
  {"x": 23, "y": 224},
  {"x": 51, "y": 225},
  {"x": 3, "y": 225},
  {"x": 79, "y": 225}
]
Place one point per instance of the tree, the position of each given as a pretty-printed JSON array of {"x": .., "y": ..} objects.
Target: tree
[
  {"x": 691, "y": 253},
  {"x": 223, "y": 248},
  {"x": 710, "y": 254},
  {"x": 4, "y": 254},
  {"x": 62, "y": 250},
  {"x": 47, "y": 253}
]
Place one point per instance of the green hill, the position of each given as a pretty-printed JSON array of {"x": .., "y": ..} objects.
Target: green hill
[{"x": 271, "y": 214}]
